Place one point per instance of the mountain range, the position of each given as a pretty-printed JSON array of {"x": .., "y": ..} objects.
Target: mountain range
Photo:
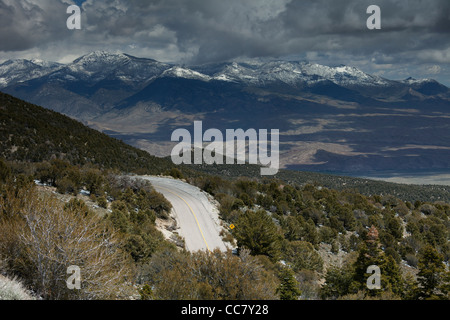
[{"x": 337, "y": 119}]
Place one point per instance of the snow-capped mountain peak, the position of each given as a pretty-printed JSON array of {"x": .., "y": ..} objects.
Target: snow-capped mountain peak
[
  {"x": 411, "y": 81},
  {"x": 180, "y": 72},
  {"x": 20, "y": 70},
  {"x": 344, "y": 75},
  {"x": 100, "y": 56},
  {"x": 100, "y": 65},
  {"x": 293, "y": 73}
]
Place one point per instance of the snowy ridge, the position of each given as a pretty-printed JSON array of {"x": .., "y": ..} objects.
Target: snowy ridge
[
  {"x": 293, "y": 73},
  {"x": 20, "y": 70},
  {"x": 412, "y": 81},
  {"x": 344, "y": 75},
  {"x": 101, "y": 65},
  {"x": 179, "y": 72}
]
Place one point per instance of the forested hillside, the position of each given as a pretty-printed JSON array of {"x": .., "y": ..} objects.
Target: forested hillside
[
  {"x": 31, "y": 133},
  {"x": 307, "y": 226},
  {"x": 364, "y": 186},
  {"x": 50, "y": 167}
]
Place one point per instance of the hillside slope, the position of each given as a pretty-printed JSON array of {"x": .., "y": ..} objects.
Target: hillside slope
[{"x": 32, "y": 133}]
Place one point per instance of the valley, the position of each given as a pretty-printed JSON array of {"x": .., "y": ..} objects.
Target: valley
[{"x": 418, "y": 178}]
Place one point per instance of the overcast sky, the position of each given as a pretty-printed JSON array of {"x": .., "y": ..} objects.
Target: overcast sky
[{"x": 414, "y": 39}]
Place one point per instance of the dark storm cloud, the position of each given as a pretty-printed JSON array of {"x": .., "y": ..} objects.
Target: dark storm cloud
[
  {"x": 217, "y": 30},
  {"x": 197, "y": 31},
  {"x": 26, "y": 24},
  {"x": 341, "y": 25}
]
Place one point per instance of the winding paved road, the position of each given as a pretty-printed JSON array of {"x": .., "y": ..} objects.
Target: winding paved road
[{"x": 197, "y": 218}]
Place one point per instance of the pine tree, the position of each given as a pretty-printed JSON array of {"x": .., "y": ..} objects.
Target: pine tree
[
  {"x": 431, "y": 274},
  {"x": 410, "y": 288},
  {"x": 289, "y": 286},
  {"x": 371, "y": 254},
  {"x": 391, "y": 277},
  {"x": 338, "y": 282}
]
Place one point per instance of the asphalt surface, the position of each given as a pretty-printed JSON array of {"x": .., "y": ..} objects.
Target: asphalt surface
[{"x": 196, "y": 216}]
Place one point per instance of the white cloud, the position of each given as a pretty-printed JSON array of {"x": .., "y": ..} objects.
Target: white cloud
[
  {"x": 435, "y": 69},
  {"x": 435, "y": 55}
]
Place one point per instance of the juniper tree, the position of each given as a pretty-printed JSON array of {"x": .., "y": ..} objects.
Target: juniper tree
[
  {"x": 289, "y": 286},
  {"x": 432, "y": 273},
  {"x": 256, "y": 231}
]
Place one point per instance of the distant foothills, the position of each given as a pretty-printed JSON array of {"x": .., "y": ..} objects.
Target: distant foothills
[{"x": 331, "y": 119}]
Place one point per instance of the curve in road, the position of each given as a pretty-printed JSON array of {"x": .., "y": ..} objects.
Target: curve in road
[{"x": 196, "y": 216}]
